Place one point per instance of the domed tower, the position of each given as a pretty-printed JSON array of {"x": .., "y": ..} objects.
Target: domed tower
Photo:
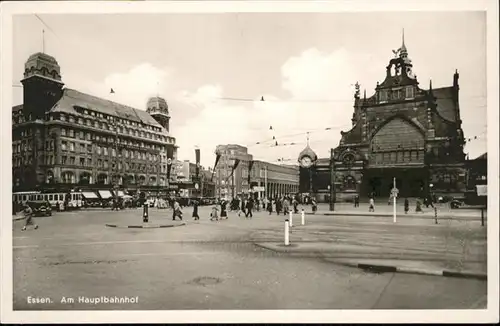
[
  {"x": 41, "y": 84},
  {"x": 157, "y": 107},
  {"x": 307, "y": 158}
]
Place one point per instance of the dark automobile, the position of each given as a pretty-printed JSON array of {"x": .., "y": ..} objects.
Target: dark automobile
[{"x": 40, "y": 208}]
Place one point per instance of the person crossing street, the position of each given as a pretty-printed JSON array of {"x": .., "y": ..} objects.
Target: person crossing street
[
  {"x": 28, "y": 213},
  {"x": 249, "y": 207}
]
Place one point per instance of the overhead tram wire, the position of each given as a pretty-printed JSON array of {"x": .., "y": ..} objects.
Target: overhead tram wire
[{"x": 320, "y": 100}]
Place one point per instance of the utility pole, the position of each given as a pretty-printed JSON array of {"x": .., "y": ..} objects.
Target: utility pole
[
  {"x": 332, "y": 181},
  {"x": 232, "y": 183},
  {"x": 265, "y": 182}
]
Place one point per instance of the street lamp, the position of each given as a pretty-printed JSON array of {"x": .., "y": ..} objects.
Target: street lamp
[{"x": 332, "y": 181}]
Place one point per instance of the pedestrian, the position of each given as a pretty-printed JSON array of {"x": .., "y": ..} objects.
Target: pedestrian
[
  {"x": 223, "y": 212},
  {"x": 242, "y": 207},
  {"x": 418, "y": 207},
  {"x": 270, "y": 206},
  {"x": 214, "y": 214},
  {"x": 286, "y": 206},
  {"x": 278, "y": 206},
  {"x": 407, "y": 205},
  {"x": 295, "y": 206},
  {"x": 356, "y": 200},
  {"x": 177, "y": 211},
  {"x": 28, "y": 213},
  {"x": 249, "y": 207},
  {"x": 195, "y": 210},
  {"x": 314, "y": 205},
  {"x": 372, "y": 205}
]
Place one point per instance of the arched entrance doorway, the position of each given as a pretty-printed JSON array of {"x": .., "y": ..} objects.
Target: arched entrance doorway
[
  {"x": 85, "y": 178},
  {"x": 68, "y": 177},
  {"x": 102, "y": 179}
]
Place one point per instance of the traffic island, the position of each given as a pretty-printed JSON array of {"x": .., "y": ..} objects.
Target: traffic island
[{"x": 145, "y": 225}]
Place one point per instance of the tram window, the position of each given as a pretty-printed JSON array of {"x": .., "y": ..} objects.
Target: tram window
[
  {"x": 24, "y": 197},
  {"x": 61, "y": 197},
  {"x": 51, "y": 197}
]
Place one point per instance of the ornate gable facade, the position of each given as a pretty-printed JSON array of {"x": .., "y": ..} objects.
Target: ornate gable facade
[{"x": 401, "y": 131}]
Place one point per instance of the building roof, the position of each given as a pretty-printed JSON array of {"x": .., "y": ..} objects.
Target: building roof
[
  {"x": 42, "y": 56},
  {"x": 308, "y": 152},
  {"x": 445, "y": 104},
  {"x": 72, "y": 98}
]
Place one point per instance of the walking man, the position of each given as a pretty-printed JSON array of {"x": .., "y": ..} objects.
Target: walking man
[
  {"x": 28, "y": 212},
  {"x": 223, "y": 211},
  {"x": 249, "y": 207},
  {"x": 407, "y": 205},
  {"x": 195, "y": 210}
]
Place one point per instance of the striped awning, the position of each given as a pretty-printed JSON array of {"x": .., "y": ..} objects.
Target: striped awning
[
  {"x": 89, "y": 195},
  {"x": 105, "y": 194}
]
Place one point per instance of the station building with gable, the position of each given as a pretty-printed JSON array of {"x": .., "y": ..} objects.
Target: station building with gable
[{"x": 401, "y": 131}]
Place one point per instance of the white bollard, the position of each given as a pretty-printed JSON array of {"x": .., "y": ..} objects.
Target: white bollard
[
  {"x": 394, "y": 210},
  {"x": 291, "y": 218},
  {"x": 303, "y": 215},
  {"x": 287, "y": 235}
]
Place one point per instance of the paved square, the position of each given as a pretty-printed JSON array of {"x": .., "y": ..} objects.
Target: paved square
[{"x": 73, "y": 257}]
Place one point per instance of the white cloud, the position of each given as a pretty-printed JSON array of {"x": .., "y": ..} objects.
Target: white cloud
[{"x": 132, "y": 87}]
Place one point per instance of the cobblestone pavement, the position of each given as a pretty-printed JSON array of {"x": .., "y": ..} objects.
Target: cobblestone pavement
[{"x": 210, "y": 265}]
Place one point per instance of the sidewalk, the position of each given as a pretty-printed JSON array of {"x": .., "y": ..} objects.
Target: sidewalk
[
  {"x": 382, "y": 209},
  {"x": 452, "y": 248}
]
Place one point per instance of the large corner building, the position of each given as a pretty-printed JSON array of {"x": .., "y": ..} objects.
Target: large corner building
[
  {"x": 64, "y": 138},
  {"x": 401, "y": 131}
]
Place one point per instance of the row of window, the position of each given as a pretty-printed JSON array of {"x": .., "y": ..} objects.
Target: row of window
[
  {"x": 120, "y": 129},
  {"x": 105, "y": 164},
  {"x": 397, "y": 94},
  {"x": 398, "y": 157},
  {"x": 82, "y": 135},
  {"x": 117, "y": 120},
  {"x": 87, "y": 148}
]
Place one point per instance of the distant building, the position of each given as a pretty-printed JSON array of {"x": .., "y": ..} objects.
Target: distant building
[
  {"x": 250, "y": 176},
  {"x": 63, "y": 138},
  {"x": 401, "y": 131},
  {"x": 271, "y": 180},
  {"x": 477, "y": 171},
  {"x": 230, "y": 184}
]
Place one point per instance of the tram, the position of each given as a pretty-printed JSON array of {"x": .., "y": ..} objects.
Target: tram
[{"x": 74, "y": 199}]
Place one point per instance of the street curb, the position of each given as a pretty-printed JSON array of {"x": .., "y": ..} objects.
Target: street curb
[
  {"x": 409, "y": 270},
  {"x": 446, "y": 217},
  {"x": 382, "y": 268},
  {"x": 151, "y": 226}
]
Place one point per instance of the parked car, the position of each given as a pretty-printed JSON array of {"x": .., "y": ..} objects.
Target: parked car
[
  {"x": 456, "y": 203},
  {"x": 40, "y": 208}
]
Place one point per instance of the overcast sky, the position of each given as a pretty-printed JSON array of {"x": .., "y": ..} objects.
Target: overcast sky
[{"x": 304, "y": 64}]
